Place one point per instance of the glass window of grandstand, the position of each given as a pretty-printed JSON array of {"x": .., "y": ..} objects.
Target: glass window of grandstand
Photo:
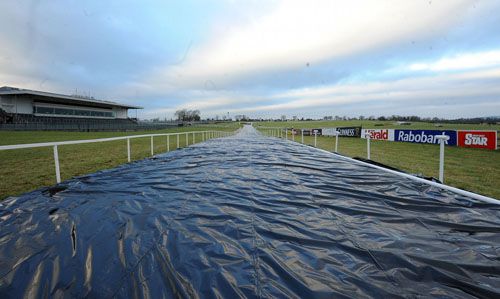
[
  {"x": 44, "y": 110},
  {"x": 75, "y": 112}
]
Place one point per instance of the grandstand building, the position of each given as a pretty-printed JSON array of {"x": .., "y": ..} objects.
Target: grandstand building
[{"x": 38, "y": 110}]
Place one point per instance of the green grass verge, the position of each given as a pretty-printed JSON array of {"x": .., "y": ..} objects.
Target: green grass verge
[
  {"x": 469, "y": 169},
  {"x": 24, "y": 170},
  {"x": 27, "y": 169}
]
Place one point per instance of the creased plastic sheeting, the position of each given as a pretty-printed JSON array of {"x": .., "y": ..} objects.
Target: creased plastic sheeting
[{"x": 248, "y": 216}]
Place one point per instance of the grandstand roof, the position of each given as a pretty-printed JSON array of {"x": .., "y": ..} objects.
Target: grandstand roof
[{"x": 71, "y": 99}]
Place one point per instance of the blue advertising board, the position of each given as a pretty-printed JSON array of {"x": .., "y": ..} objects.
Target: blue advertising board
[{"x": 425, "y": 136}]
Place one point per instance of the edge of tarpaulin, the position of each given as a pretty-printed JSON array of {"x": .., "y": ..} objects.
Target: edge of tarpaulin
[{"x": 421, "y": 180}]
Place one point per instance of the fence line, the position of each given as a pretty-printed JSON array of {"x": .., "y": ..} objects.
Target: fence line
[
  {"x": 441, "y": 140},
  {"x": 54, "y": 145},
  {"x": 271, "y": 131}
]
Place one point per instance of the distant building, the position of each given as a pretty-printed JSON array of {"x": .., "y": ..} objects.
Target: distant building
[
  {"x": 40, "y": 110},
  {"x": 41, "y": 103}
]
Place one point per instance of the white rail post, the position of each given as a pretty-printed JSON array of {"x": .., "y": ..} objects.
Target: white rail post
[
  {"x": 187, "y": 139},
  {"x": 293, "y": 134},
  {"x": 202, "y": 136},
  {"x": 442, "y": 139},
  {"x": 302, "y": 135},
  {"x": 286, "y": 133},
  {"x": 367, "y": 136},
  {"x": 168, "y": 143},
  {"x": 194, "y": 139},
  {"x": 128, "y": 148},
  {"x": 56, "y": 162},
  {"x": 315, "y": 138},
  {"x": 178, "y": 140},
  {"x": 336, "y": 142},
  {"x": 152, "y": 151}
]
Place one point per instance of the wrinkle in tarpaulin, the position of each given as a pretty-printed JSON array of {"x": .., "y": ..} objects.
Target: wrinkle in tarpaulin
[{"x": 247, "y": 216}]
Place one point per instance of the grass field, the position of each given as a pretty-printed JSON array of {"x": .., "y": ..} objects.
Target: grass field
[
  {"x": 475, "y": 170},
  {"x": 27, "y": 169}
]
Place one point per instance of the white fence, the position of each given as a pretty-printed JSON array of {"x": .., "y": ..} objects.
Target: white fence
[
  {"x": 278, "y": 132},
  {"x": 204, "y": 135},
  {"x": 283, "y": 133}
]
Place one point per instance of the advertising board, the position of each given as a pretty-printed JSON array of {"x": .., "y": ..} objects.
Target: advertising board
[
  {"x": 349, "y": 131},
  {"x": 307, "y": 132},
  {"x": 379, "y": 134},
  {"x": 477, "y": 139},
  {"x": 328, "y": 131},
  {"x": 316, "y": 131},
  {"x": 425, "y": 136}
]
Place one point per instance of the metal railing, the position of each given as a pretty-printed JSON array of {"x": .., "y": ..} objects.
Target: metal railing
[{"x": 205, "y": 135}]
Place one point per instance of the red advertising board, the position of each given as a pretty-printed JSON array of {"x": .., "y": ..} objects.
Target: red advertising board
[
  {"x": 477, "y": 139},
  {"x": 378, "y": 134}
]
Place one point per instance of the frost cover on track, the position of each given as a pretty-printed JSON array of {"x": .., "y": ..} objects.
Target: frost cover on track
[{"x": 248, "y": 216}]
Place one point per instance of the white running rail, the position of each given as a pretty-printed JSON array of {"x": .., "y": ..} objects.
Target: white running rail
[
  {"x": 271, "y": 131},
  {"x": 205, "y": 135}
]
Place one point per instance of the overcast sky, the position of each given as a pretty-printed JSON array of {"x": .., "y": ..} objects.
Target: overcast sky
[{"x": 261, "y": 58}]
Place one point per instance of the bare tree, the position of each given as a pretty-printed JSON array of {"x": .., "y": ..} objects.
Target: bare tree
[{"x": 187, "y": 115}]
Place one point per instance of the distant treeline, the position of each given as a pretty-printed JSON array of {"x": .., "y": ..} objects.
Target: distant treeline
[
  {"x": 414, "y": 118},
  {"x": 185, "y": 115},
  {"x": 411, "y": 118}
]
